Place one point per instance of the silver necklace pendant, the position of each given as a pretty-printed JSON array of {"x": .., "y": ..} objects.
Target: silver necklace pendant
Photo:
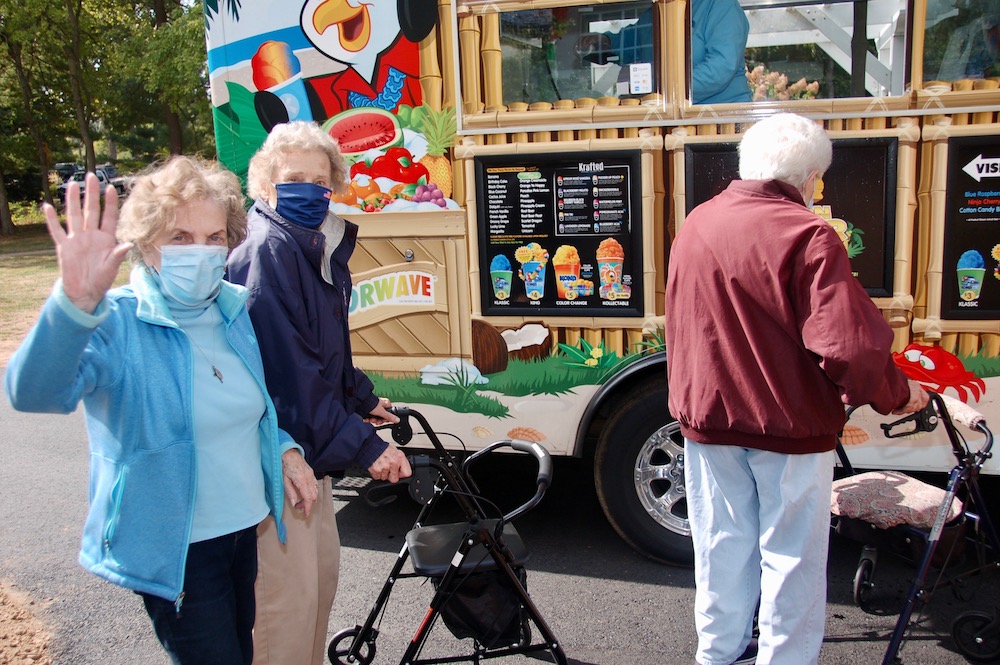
[{"x": 217, "y": 373}]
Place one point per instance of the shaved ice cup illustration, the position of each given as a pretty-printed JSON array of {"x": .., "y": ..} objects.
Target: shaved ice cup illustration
[
  {"x": 610, "y": 262},
  {"x": 532, "y": 258},
  {"x": 567, "y": 275},
  {"x": 533, "y": 273},
  {"x": 566, "y": 264},
  {"x": 971, "y": 271},
  {"x": 970, "y": 282},
  {"x": 501, "y": 283},
  {"x": 501, "y": 276}
]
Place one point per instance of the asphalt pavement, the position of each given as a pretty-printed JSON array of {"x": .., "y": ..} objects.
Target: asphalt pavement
[{"x": 606, "y": 603}]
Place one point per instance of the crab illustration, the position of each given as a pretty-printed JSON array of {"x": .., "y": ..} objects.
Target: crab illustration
[{"x": 938, "y": 369}]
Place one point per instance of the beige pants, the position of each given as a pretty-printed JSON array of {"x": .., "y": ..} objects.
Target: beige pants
[{"x": 296, "y": 583}]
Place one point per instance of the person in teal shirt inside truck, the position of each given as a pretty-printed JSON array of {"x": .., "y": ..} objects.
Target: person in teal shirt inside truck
[{"x": 719, "y": 31}]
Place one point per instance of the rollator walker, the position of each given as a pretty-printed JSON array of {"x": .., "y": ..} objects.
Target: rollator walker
[
  {"x": 476, "y": 565},
  {"x": 948, "y": 531}
]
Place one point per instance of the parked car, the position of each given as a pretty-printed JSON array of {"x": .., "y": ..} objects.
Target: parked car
[
  {"x": 66, "y": 169},
  {"x": 103, "y": 179}
]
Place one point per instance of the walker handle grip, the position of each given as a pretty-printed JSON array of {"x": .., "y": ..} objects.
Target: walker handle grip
[
  {"x": 544, "y": 476},
  {"x": 962, "y": 413}
]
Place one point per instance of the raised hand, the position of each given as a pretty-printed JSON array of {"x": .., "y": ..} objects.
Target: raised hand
[{"x": 89, "y": 255}]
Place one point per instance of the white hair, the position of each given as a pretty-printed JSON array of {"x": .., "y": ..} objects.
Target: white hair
[
  {"x": 785, "y": 147},
  {"x": 298, "y": 135}
]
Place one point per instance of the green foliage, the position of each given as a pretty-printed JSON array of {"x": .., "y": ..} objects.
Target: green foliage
[
  {"x": 134, "y": 58},
  {"x": 548, "y": 376},
  {"x": 589, "y": 356},
  {"x": 551, "y": 375},
  {"x": 458, "y": 398},
  {"x": 25, "y": 213},
  {"x": 856, "y": 244},
  {"x": 981, "y": 365},
  {"x": 652, "y": 342},
  {"x": 232, "y": 7}
]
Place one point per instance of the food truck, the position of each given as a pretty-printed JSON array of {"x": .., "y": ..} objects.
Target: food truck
[{"x": 519, "y": 167}]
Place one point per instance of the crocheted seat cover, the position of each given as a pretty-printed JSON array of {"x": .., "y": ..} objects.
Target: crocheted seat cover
[{"x": 888, "y": 498}]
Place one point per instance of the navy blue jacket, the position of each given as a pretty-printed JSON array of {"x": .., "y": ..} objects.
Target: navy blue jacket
[{"x": 301, "y": 324}]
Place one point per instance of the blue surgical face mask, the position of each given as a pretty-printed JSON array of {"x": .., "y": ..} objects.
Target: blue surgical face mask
[
  {"x": 191, "y": 274},
  {"x": 303, "y": 203}
]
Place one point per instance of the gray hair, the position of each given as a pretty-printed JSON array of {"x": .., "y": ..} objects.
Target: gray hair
[
  {"x": 287, "y": 137},
  {"x": 155, "y": 196},
  {"x": 785, "y": 147}
]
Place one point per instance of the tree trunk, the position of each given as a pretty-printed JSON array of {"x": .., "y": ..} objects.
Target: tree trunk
[
  {"x": 175, "y": 132},
  {"x": 77, "y": 86},
  {"x": 6, "y": 221},
  {"x": 14, "y": 49}
]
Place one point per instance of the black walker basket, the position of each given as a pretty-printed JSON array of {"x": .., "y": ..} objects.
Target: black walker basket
[
  {"x": 956, "y": 524},
  {"x": 476, "y": 566}
]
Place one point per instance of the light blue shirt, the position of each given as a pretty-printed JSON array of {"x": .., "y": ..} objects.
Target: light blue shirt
[{"x": 229, "y": 489}]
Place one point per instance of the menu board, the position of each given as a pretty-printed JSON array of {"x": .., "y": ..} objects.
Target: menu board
[
  {"x": 559, "y": 233},
  {"x": 857, "y": 196},
  {"x": 972, "y": 230}
]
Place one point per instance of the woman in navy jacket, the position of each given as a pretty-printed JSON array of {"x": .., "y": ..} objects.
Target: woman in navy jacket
[{"x": 295, "y": 264}]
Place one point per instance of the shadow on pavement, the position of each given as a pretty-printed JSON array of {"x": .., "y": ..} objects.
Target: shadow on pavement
[{"x": 566, "y": 533}]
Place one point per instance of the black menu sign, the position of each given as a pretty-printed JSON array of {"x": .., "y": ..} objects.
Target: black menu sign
[
  {"x": 857, "y": 196},
  {"x": 971, "y": 268},
  {"x": 560, "y": 233}
]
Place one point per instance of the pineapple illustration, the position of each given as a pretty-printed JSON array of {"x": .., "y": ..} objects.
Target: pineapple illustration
[{"x": 439, "y": 129}]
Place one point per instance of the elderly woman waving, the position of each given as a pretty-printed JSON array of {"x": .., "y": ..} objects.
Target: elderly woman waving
[{"x": 185, "y": 447}]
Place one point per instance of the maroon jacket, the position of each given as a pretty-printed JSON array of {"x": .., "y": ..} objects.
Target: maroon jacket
[{"x": 768, "y": 333}]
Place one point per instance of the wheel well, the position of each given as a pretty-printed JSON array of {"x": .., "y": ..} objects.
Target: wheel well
[{"x": 619, "y": 389}]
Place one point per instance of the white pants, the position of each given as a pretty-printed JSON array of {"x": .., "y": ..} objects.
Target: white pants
[
  {"x": 296, "y": 584},
  {"x": 760, "y": 522}
]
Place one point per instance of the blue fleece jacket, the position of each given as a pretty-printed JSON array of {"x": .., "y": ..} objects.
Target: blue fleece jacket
[{"x": 133, "y": 373}]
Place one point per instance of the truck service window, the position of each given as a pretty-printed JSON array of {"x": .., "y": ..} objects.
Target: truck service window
[{"x": 606, "y": 50}]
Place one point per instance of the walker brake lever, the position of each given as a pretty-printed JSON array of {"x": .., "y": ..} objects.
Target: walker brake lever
[
  {"x": 420, "y": 485},
  {"x": 924, "y": 420},
  {"x": 402, "y": 432}
]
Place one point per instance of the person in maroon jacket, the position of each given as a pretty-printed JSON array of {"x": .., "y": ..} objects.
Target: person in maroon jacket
[{"x": 768, "y": 336}]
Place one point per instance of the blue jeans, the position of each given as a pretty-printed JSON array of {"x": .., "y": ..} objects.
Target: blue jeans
[
  {"x": 215, "y": 621},
  {"x": 760, "y": 522}
]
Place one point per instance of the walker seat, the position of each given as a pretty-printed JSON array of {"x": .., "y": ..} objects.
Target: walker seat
[
  {"x": 432, "y": 548},
  {"x": 886, "y": 499}
]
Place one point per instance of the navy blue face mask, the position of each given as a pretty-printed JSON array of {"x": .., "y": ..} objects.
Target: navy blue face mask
[{"x": 303, "y": 203}]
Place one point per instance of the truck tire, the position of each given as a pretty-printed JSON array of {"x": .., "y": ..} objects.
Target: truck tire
[{"x": 639, "y": 476}]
